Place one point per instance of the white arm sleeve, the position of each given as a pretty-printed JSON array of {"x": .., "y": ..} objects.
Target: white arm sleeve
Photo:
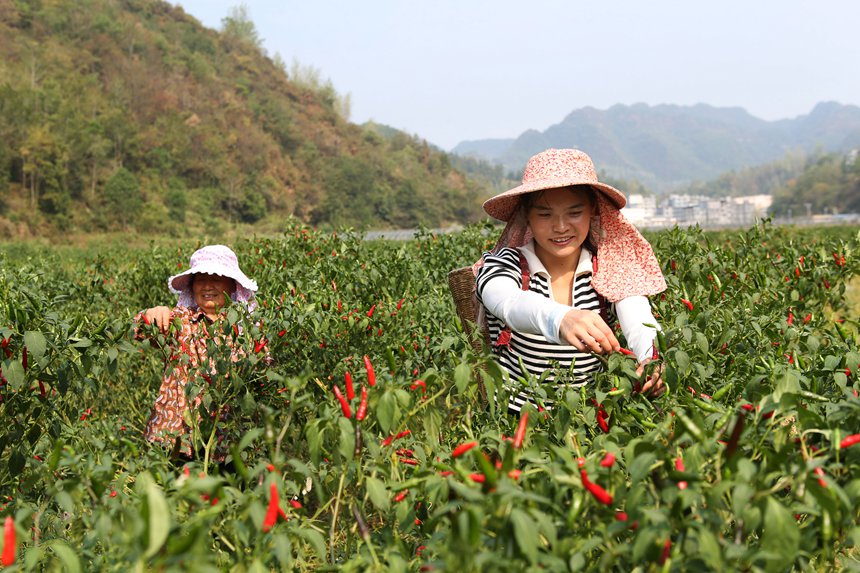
[
  {"x": 634, "y": 313},
  {"x": 523, "y": 311}
]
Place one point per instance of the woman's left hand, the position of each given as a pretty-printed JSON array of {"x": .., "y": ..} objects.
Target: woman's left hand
[{"x": 653, "y": 385}]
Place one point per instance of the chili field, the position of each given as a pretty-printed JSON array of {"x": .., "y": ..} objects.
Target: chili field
[{"x": 747, "y": 463}]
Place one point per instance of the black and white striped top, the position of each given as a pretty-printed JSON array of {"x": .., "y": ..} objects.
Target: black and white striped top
[{"x": 563, "y": 364}]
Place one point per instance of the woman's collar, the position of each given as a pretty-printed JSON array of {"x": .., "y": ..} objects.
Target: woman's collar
[{"x": 537, "y": 267}]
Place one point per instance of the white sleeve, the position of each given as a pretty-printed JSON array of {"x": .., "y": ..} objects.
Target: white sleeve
[
  {"x": 634, "y": 313},
  {"x": 522, "y": 310}
]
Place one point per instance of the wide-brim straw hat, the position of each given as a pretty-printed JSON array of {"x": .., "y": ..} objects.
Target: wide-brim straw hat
[
  {"x": 214, "y": 260},
  {"x": 548, "y": 170}
]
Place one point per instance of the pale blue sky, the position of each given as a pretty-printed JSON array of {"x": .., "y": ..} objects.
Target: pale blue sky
[{"x": 454, "y": 70}]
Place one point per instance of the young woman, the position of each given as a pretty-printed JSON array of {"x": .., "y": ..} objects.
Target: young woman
[
  {"x": 566, "y": 267},
  {"x": 202, "y": 293}
]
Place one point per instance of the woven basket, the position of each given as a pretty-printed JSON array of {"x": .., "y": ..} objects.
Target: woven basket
[{"x": 461, "y": 283}]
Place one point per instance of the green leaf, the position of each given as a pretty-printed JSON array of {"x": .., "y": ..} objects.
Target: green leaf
[
  {"x": 462, "y": 376},
  {"x": 781, "y": 537},
  {"x": 682, "y": 359},
  {"x": 386, "y": 411},
  {"x": 13, "y": 371},
  {"x": 314, "y": 538},
  {"x": 157, "y": 514},
  {"x": 36, "y": 344},
  {"x": 525, "y": 533},
  {"x": 709, "y": 549},
  {"x": 67, "y": 556},
  {"x": 377, "y": 492},
  {"x": 347, "y": 438}
]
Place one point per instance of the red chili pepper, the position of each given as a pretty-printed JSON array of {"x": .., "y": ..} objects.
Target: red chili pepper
[
  {"x": 362, "y": 405},
  {"x": 145, "y": 319},
  {"x": 679, "y": 465},
  {"x": 274, "y": 510},
  {"x": 504, "y": 338},
  {"x": 520, "y": 434},
  {"x": 667, "y": 548},
  {"x": 790, "y": 318},
  {"x": 515, "y": 474},
  {"x": 296, "y": 504},
  {"x": 8, "y": 542},
  {"x": 600, "y": 494},
  {"x": 688, "y": 304},
  {"x": 350, "y": 391},
  {"x": 621, "y": 516},
  {"x": 849, "y": 441},
  {"x": 627, "y": 352},
  {"x": 282, "y": 333},
  {"x": 840, "y": 259},
  {"x": 401, "y": 496},
  {"x": 608, "y": 460},
  {"x": 371, "y": 375},
  {"x": 797, "y": 271},
  {"x": 24, "y": 361},
  {"x": 42, "y": 391},
  {"x": 672, "y": 264},
  {"x": 370, "y": 312},
  {"x": 826, "y": 284},
  {"x": 344, "y": 405},
  {"x": 409, "y": 461},
  {"x": 387, "y": 441},
  {"x": 259, "y": 345},
  {"x": 462, "y": 449},
  {"x": 419, "y": 384},
  {"x": 478, "y": 478},
  {"x": 400, "y": 303},
  {"x": 820, "y": 473},
  {"x": 601, "y": 420}
]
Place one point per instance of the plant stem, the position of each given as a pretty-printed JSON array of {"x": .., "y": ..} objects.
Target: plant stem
[{"x": 334, "y": 516}]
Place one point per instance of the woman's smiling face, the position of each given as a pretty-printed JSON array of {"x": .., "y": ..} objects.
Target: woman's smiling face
[
  {"x": 560, "y": 220},
  {"x": 211, "y": 291}
]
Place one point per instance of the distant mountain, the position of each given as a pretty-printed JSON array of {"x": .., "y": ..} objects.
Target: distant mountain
[{"x": 668, "y": 146}]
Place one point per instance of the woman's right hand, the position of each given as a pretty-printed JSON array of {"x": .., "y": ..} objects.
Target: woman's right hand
[
  {"x": 588, "y": 332},
  {"x": 161, "y": 315}
]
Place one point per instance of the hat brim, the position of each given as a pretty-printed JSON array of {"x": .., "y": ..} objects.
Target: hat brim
[
  {"x": 503, "y": 205},
  {"x": 182, "y": 282}
]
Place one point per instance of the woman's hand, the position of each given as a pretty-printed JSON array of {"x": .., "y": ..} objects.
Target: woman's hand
[
  {"x": 161, "y": 315},
  {"x": 653, "y": 385},
  {"x": 586, "y": 331}
]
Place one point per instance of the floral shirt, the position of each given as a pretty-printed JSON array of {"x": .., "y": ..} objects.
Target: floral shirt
[{"x": 168, "y": 423}]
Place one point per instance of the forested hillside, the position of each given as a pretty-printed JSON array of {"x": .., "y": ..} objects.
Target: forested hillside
[
  {"x": 129, "y": 114},
  {"x": 828, "y": 184}
]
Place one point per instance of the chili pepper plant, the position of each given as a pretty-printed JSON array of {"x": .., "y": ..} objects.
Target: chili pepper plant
[{"x": 359, "y": 430}]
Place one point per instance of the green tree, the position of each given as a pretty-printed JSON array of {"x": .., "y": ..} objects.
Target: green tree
[
  {"x": 123, "y": 197},
  {"x": 239, "y": 26}
]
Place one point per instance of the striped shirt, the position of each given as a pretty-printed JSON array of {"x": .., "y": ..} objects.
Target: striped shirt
[{"x": 560, "y": 364}]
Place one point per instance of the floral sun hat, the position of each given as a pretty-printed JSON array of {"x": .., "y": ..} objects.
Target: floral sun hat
[
  {"x": 213, "y": 260},
  {"x": 547, "y": 170},
  {"x": 625, "y": 264}
]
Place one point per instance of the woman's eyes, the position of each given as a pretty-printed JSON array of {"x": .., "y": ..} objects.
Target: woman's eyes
[{"x": 546, "y": 214}]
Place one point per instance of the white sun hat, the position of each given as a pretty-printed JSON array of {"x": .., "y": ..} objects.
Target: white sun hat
[{"x": 212, "y": 260}]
